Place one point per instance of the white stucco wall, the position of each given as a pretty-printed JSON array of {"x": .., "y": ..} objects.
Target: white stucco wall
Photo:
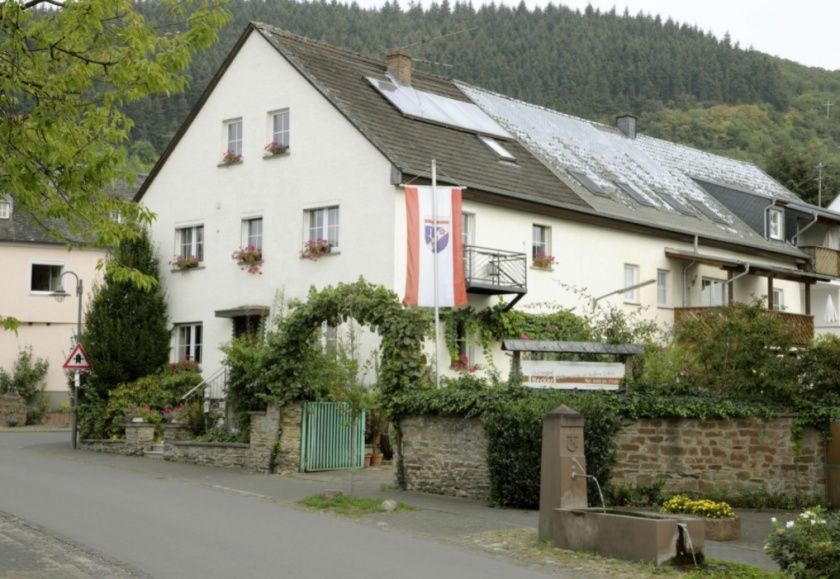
[
  {"x": 47, "y": 326},
  {"x": 328, "y": 163}
]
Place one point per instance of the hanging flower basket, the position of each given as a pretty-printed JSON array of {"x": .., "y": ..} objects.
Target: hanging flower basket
[
  {"x": 249, "y": 259},
  {"x": 181, "y": 262},
  {"x": 315, "y": 248},
  {"x": 231, "y": 158},
  {"x": 274, "y": 148}
]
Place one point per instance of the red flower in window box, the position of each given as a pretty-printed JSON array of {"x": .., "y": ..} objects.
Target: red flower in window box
[
  {"x": 315, "y": 248},
  {"x": 249, "y": 259}
]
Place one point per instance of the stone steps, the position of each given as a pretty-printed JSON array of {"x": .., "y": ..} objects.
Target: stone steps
[{"x": 154, "y": 451}]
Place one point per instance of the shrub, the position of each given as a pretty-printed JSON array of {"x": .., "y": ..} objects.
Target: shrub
[
  {"x": 821, "y": 369},
  {"x": 629, "y": 495},
  {"x": 700, "y": 507},
  {"x": 808, "y": 546},
  {"x": 157, "y": 391},
  {"x": 28, "y": 380},
  {"x": 741, "y": 352}
]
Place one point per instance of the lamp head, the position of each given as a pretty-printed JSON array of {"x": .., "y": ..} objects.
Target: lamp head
[{"x": 60, "y": 294}]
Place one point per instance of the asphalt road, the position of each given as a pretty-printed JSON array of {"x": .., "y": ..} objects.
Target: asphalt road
[{"x": 184, "y": 522}]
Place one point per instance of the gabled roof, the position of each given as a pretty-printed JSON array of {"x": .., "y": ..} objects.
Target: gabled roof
[
  {"x": 643, "y": 179},
  {"x": 409, "y": 144}
]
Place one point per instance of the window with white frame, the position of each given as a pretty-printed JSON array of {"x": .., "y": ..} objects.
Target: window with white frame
[
  {"x": 631, "y": 278},
  {"x": 252, "y": 232},
  {"x": 663, "y": 277},
  {"x": 5, "y": 208},
  {"x": 189, "y": 343},
  {"x": 280, "y": 128},
  {"x": 322, "y": 224},
  {"x": 233, "y": 136},
  {"x": 190, "y": 242},
  {"x": 468, "y": 228},
  {"x": 778, "y": 299},
  {"x": 776, "y": 223},
  {"x": 712, "y": 292},
  {"x": 45, "y": 277},
  {"x": 540, "y": 242}
]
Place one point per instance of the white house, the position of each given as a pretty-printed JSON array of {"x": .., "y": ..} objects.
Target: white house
[{"x": 613, "y": 208}]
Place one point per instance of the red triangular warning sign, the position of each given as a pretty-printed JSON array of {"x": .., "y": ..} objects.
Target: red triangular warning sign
[{"x": 78, "y": 359}]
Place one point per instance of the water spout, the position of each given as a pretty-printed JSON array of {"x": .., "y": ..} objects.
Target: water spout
[
  {"x": 687, "y": 542},
  {"x": 589, "y": 476}
]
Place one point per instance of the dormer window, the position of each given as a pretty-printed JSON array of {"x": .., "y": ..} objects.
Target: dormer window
[
  {"x": 5, "y": 208},
  {"x": 497, "y": 148},
  {"x": 776, "y": 223}
]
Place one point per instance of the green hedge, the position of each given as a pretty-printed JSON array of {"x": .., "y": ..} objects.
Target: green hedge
[{"x": 513, "y": 415}]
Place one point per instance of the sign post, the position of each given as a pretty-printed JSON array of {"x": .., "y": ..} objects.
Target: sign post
[{"x": 77, "y": 360}]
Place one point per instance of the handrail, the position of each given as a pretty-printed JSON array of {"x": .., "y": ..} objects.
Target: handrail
[{"x": 205, "y": 383}]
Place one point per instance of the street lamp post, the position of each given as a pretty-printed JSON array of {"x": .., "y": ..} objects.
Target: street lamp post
[{"x": 60, "y": 294}]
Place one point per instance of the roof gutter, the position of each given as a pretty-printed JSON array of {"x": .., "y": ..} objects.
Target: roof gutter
[{"x": 795, "y": 239}]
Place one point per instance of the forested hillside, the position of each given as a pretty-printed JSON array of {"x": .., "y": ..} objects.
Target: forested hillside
[{"x": 684, "y": 84}]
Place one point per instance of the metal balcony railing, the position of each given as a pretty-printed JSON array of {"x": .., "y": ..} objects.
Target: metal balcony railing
[{"x": 495, "y": 271}]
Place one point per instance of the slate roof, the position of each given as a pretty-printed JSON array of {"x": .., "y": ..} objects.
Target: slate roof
[
  {"x": 23, "y": 228},
  {"x": 645, "y": 166}
]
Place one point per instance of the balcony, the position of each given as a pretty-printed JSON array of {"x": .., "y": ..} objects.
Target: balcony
[
  {"x": 826, "y": 260},
  {"x": 495, "y": 271},
  {"x": 801, "y": 325}
]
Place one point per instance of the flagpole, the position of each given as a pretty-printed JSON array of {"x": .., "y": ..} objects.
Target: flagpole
[{"x": 435, "y": 247}]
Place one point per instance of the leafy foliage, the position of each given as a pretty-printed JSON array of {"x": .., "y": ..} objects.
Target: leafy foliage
[
  {"x": 28, "y": 380},
  {"x": 67, "y": 72},
  {"x": 126, "y": 334},
  {"x": 808, "y": 546},
  {"x": 293, "y": 346}
]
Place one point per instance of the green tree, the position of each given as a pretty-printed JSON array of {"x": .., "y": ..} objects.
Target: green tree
[
  {"x": 67, "y": 71},
  {"x": 125, "y": 332}
]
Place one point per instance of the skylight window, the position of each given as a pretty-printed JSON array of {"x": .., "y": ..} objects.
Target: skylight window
[
  {"x": 676, "y": 205},
  {"x": 635, "y": 195},
  {"x": 588, "y": 184},
  {"x": 705, "y": 210},
  {"x": 439, "y": 109},
  {"x": 497, "y": 148}
]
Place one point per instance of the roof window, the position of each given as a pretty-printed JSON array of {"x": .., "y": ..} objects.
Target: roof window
[
  {"x": 635, "y": 195},
  {"x": 706, "y": 210},
  {"x": 497, "y": 148},
  {"x": 676, "y": 205},
  {"x": 588, "y": 184}
]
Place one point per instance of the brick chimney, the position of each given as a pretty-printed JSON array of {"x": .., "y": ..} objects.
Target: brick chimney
[
  {"x": 626, "y": 123},
  {"x": 399, "y": 65}
]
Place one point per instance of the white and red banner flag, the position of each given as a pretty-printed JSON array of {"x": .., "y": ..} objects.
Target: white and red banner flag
[{"x": 427, "y": 237}]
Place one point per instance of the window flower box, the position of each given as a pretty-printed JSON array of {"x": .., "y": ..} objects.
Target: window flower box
[
  {"x": 463, "y": 365},
  {"x": 249, "y": 259},
  {"x": 230, "y": 158},
  {"x": 315, "y": 249},
  {"x": 274, "y": 149},
  {"x": 544, "y": 261},
  {"x": 181, "y": 262}
]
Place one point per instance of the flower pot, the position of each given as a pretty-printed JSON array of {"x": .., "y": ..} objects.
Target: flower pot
[
  {"x": 376, "y": 460},
  {"x": 368, "y": 458},
  {"x": 727, "y": 529}
]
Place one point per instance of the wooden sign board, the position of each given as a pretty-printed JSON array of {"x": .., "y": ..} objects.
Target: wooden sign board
[{"x": 572, "y": 375}]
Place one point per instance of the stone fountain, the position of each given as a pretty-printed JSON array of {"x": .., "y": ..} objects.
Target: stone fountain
[{"x": 568, "y": 522}]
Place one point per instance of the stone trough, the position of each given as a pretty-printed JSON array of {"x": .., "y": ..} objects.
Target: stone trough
[{"x": 568, "y": 523}]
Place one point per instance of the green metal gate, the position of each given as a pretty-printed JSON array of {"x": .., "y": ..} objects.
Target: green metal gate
[{"x": 331, "y": 439}]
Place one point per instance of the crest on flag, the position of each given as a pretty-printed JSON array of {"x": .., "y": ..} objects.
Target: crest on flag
[{"x": 437, "y": 238}]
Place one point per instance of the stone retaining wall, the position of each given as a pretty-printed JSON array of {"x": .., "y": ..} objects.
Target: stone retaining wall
[
  {"x": 274, "y": 443},
  {"x": 12, "y": 409},
  {"x": 444, "y": 455},
  {"x": 447, "y": 455},
  {"x": 221, "y": 454},
  {"x": 700, "y": 455}
]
